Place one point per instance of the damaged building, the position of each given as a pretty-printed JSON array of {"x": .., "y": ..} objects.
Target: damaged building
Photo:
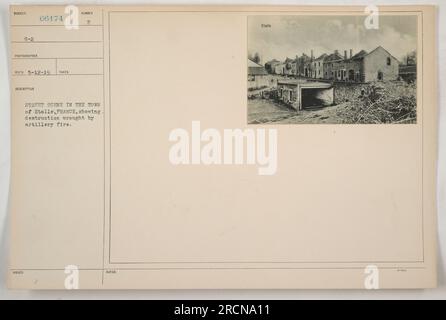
[
  {"x": 257, "y": 75},
  {"x": 301, "y": 94},
  {"x": 377, "y": 65}
]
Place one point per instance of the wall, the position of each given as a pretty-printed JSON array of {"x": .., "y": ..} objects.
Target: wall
[
  {"x": 357, "y": 67},
  {"x": 257, "y": 81},
  {"x": 377, "y": 61},
  {"x": 284, "y": 94},
  {"x": 347, "y": 92}
]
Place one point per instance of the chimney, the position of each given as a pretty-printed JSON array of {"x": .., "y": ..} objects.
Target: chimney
[
  {"x": 351, "y": 53},
  {"x": 312, "y": 54},
  {"x": 345, "y": 54},
  {"x": 336, "y": 52}
]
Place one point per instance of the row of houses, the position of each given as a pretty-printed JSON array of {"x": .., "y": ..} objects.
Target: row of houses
[{"x": 377, "y": 65}]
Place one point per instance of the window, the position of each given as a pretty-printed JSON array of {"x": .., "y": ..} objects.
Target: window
[{"x": 389, "y": 61}]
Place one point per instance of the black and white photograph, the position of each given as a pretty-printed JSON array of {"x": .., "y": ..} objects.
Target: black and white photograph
[
  {"x": 332, "y": 69},
  {"x": 140, "y": 158}
]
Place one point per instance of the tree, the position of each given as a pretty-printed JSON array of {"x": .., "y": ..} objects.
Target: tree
[
  {"x": 255, "y": 57},
  {"x": 411, "y": 58}
]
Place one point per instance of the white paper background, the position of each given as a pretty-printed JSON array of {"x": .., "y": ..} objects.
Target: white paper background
[{"x": 439, "y": 293}]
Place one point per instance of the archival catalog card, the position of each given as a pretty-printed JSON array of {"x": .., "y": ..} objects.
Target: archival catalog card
[{"x": 223, "y": 147}]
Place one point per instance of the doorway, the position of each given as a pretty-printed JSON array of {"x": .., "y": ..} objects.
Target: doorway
[
  {"x": 351, "y": 75},
  {"x": 380, "y": 76}
]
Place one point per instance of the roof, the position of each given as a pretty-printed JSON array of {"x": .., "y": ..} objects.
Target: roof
[
  {"x": 361, "y": 54},
  {"x": 321, "y": 57},
  {"x": 380, "y": 47},
  {"x": 254, "y": 71},
  {"x": 255, "y": 68},
  {"x": 254, "y": 64},
  {"x": 291, "y": 81},
  {"x": 306, "y": 84},
  {"x": 334, "y": 57}
]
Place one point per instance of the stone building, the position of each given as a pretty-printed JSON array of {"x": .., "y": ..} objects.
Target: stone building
[
  {"x": 301, "y": 94},
  {"x": 295, "y": 66},
  {"x": 378, "y": 65},
  {"x": 270, "y": 66},
  {"x": 304, "y": 66},
  {"x": 257, "y": 75},
  {"x": 330, "y": 65},
  {"x": 279, "y": 68},
  {"x": 289, "y": 70},
  {"x": 340, "y": 67},
  {"x": 318, "y": 67}
]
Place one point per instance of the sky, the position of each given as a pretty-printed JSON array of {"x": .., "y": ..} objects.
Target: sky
[{"x": 278, "y": 37}]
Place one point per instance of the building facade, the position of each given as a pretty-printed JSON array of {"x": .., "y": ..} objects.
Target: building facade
[
  {"x": 257, "y": 75},
  {"x": 378, "y": 65},
  {"x": 270, "y": 66},
  {"x": 331, "y": 65},
  {"x": 318, "y": 67},
  {"x": 301, "y": 94}
]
